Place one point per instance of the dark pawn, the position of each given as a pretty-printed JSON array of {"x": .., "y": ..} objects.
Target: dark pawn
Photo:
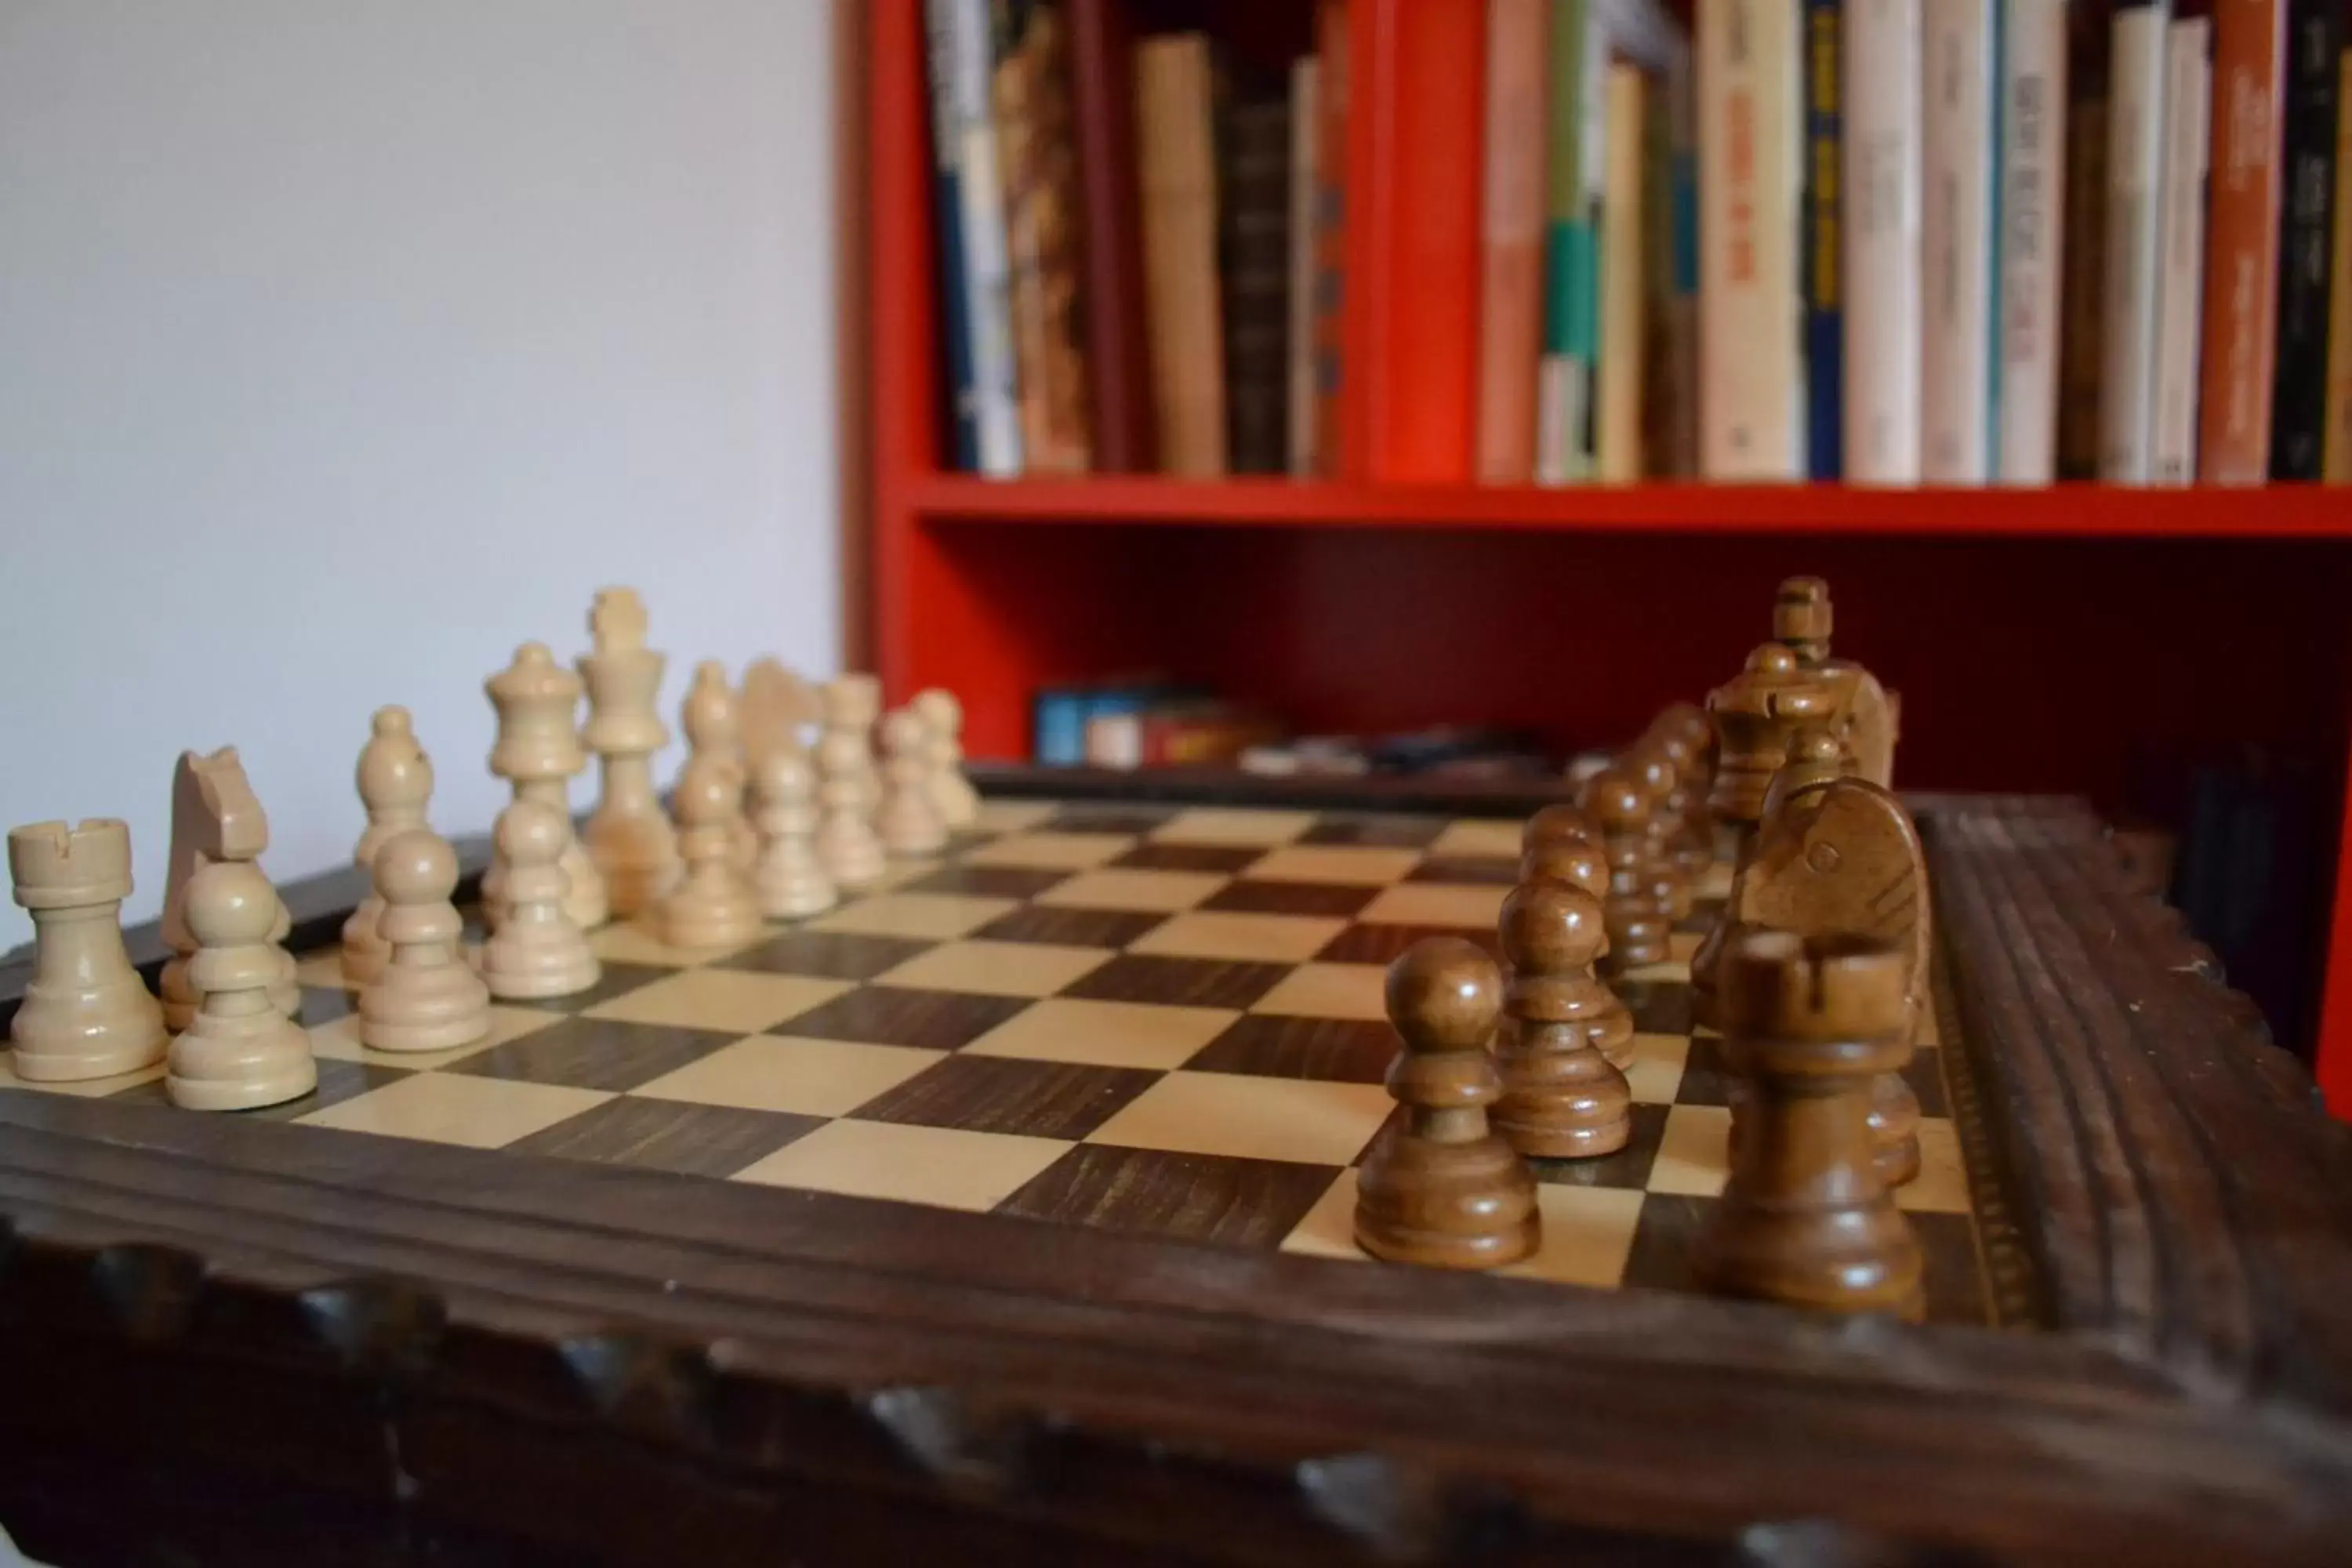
[
  {"x": 1661, "y": 783},
  {"x": 1638, "y": 926},
  {"x": 1805, "y": 1217},
  {"x": 1582, "y": 866},
  {"x": 1690, "y": 838},
  {"x": 1560, "y": 823},
  {"x": 1562, "y": 1099},
  {"x": 1439, "y": 1187}
]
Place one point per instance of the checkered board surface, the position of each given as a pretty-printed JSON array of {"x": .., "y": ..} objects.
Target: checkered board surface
[{"x": 1152, "y": 1019}]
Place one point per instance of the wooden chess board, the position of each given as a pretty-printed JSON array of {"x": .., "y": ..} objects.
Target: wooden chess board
[{"x": 1156, "y": 1019}]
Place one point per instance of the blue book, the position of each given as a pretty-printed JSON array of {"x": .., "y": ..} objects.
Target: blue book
[
  {"x": 955, "y": 321},
  {"x": 1822, "y": 239}
]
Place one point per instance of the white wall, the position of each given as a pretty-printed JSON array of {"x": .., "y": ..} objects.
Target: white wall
[{"x": 346, "y": 344}]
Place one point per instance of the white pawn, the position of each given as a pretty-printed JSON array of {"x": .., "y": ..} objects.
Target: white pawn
[
  {"x": 787, "y": 879},
  {"x": 712, "y": 906},
  {"x": 85, "y": 1013},
  {"x": 952, "y": 793},
  {"x": 239, "y": 1052},
  {"x": 851, "y": 704},
  {"x": 846, "y": 844},
  {"x": 908, "y": 821},
  {"x": 427, "y": 997},
  {"x": 396, "y": 779},
  {"x": 538, "y": 949},
  {"x": 708, "y": 720}
]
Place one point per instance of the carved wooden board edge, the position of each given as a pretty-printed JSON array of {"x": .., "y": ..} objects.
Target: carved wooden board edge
[
  {"x": 172, "y": 1285},
  {"x": 1308, "y": 792},
  {"x": 2190, "y": 1202}
]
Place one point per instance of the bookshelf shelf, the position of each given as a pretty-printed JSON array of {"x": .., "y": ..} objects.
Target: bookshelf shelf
[{"x": 2070, "y": 510}]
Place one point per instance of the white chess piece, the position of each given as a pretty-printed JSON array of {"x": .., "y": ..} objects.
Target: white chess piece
[
  {"x": 427, "y": 997},
  {"x": 85, "y": 1013},
  {"x": 942, "y": 715},
  {"x": 846, "y": 844},
  {"x": 239, "y": 1052},
  {"x": 396, "y": 781},
  {"x": 538, "y": 950},
  {"x": 712, "y": 905},
  {"x": 708, "y": 720},
  {"x": 787, "y": 879},
  {"x": 907, "y": 821},
  {"x": 852, "y": 704},
  {"x": 215, "y": 816},
  {"x": 629, "y": 839},
  {"x": 538, "y": 751}
]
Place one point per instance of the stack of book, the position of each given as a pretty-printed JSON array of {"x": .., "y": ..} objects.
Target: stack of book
[{"x": 1889, "y": 242}]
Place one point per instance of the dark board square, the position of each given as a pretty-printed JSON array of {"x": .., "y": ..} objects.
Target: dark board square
[
  {"x": 1187, "y": 857},
  {"x": 1628, "y": 1168},
  {"x": 1338, "y": 1050},
  {"x": 1010, "y": 1094},
  {"x": 1381, "y": 830},
  {"x": 1069, "y": 927},
  {"x": 1291, "y": 899},
  {"x": 1386, "y": 944},
  {"x": 826, "y": 955},
  {"x": 595, "y": 1053},
  {"x": 1191, "y": 1197},
  {"x": 1954, "y": 1278},
  {"x": 987, "y": 881},
  {"x": 324, "y": 1005},
  {"x": 1660, "y": 1258},
  {"x": 1485, "y": 870},
  {"x": 1109, "y": 816},
  {"x": 670, "y": 1135},
  {"x": 1706, "y": 1077},
  {"x": 338, "y": 1081},
  {"x": 1926, "y": 1077},
  {"x": 1659, "y": 1006},
  {"x": 900, "y": 1015},
  {"x": 615, "y": 980},
  {"x": 1179, "y": 982}
]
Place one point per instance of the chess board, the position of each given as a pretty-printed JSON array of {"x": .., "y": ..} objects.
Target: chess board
[{"x": 1152, "y": 1018}]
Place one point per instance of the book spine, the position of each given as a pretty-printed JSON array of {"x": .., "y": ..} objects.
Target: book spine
[
  {"x": 1333, "y": 95},
  {"x": 1306, "y": 141},
  {"x": 1110, "y": 215},
  {"x": 987, "y": 268},
  {"x": 2336, "y": 465},
  {"x": 2033, "y": 197},
  {"x": 2083, "y": 253},
  {"x": 1038, "y": 152},
  {"x": 1751, "y": 376},
  {"x": 2135, "y": 158},
  {"x": 2181, "y": 277},
  {"x": 1180, "y": 238},
  {"x": 1253, "y": 213},
  {"x": 1956, "y": 242},
  {"x": 2299, "y": 389},
  {"x": 1564, "y": 387},
  {"x": 1682, "y": 303},
  {"x": 947, "y": 183},
  {"x": 1619, "y": 436},
  {"x": 1885, "y": 170},
  {"x": 1824, "y": 259},
  {"x": 1663, "y": 392},
  {"x": 2242, "y": 242},
  {"x": 1510, "y": 303}
]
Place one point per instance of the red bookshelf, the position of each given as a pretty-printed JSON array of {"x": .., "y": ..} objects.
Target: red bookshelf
[{"x": 2077, "y": 638}]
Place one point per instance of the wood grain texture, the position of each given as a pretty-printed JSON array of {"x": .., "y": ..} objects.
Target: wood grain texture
[{"x": 215, "y": 1331}]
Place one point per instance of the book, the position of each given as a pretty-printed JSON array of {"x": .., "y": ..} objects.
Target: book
[
  {"x": 1821, "y": 228},
  {"x": 1306, "y": 143},
  {"x": 1564, "y": 411},
  {"x": 1679, "y": 300},
  {"x": 1664, "y": 390},
  {"x": 1254, "y": 217},
  {"x": 1334, "y": 450},
  {"x": 947, "y": 187},
  {"x": 1177, "y": 159},
  {"x": 1110, "y": 215},
  {"x": 2242, "y": 226},
  {"x": 1751, "y": 376},
  {"x": 2336, "y": 464},
  {"x": 1618, "y": 435},
  {"x": 2083, "y": 252},
  {"x": 2031, "y": 202},
  {"x": 2136, "y": 77},
  {"x": 2180, "y": 248},
  {"x": 1511, "y": 241},
  {"x": 1036, "y": 151},
  {"x": 2315, "y": 48},
  {"x": 980, "y": 203},
  {"x": 1959, "y": 69},
  {"x": 1884, "y": 173}
]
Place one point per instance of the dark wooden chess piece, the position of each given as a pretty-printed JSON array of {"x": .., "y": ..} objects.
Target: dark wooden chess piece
[
  {"x": 1638, "y": 926},
  {"x": 1555, "y": 823},
  {"x": 1681, "y": 734},
  {"x": 1805, "y": 1217},
  {"x": 1562, "y": 1099},
  {"x": 1439, "y": 1187},
  {"x": 1651, "y": 766},
  {"x": 1582, "y": 866},
  {"x": 1867, "y": 715}
]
